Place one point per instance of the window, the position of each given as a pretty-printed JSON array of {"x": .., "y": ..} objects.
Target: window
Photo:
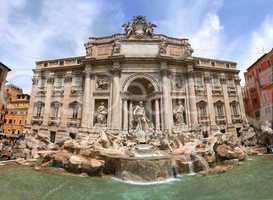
[
  {"x": 42, "y": 83},
  {"x": 78, "y": 81},
  {"x": 52, "y": 136},
  {"x": 219, "y": 109},
  {"x": 59, "y": 82},
  {"x": 202, "y": 110},
  {"x": 10, "y": 121},
  {"x": 55, "y": 109},
  {"x": 199, "y": 80},
  {"x": 75, "y": 110},
  {"x": 72, "y": 135},
  {"x": 235, "y": 108},
  {"x": 39, "y": 109},
  {"x": 216, "y": 81}
]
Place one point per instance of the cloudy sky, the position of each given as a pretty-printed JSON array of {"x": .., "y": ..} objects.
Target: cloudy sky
[{"x": 31, "y": 30}]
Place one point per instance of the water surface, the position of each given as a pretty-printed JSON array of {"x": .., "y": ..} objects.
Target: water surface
[{"x": 251, "y": 181}]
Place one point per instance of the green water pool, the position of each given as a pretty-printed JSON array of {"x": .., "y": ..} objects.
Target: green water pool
[{"x": 253, "y": 180}]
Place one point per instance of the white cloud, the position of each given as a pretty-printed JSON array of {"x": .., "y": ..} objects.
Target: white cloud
[
  {"x": 207, "y": 41},
  {"x": 261, "y": 42},
  {"x": 59, "y": 30}
]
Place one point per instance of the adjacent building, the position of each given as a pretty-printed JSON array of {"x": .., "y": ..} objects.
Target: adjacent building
[
  {"x": 3, "y": 75},
  {"x": 16, "y": 115},
  {"x": 137, "y": 81},
  {"x": 258, "y": 90}
]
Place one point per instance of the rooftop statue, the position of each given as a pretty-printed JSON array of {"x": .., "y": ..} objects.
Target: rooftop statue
[{"x": 139, "y": 27}]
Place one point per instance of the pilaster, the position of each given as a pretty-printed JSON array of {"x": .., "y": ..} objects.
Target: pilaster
[
  {"x": 116, "y": 100},
  {"x": 86, "y": 110},
  {"x": 210, "y": 100},
  {"x": 67, "y": 91},
  {"x": 167, "y": 101},
  {"x": 192, "y": 97},
  {"x": 50, "y": 82},
  {"x": 226, "y": 101}
]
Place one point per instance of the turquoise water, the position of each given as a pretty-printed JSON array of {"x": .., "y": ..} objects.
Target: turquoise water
[{"x": 252, "y": 181}]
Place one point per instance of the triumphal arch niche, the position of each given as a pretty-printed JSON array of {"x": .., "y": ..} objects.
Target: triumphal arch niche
[{"x": 137, "y": 82}]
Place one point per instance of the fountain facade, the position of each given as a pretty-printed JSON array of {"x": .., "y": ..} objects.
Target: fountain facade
[{"x": 137, "y": 102}]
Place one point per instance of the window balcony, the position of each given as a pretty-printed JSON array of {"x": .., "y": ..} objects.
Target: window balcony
[
  {"x": 74, "y": 122},
  {"x": 232, "y": 91},
  {"x": 220, "y": 119},
  {"x": 37, "y": 120},
  {"x": 58, "y": 91},
  {"x": 236, "y": 118},
  {"x": 54, "y": 121},
  {"x": 217, "y": 90},
  {"x": 200, "y": 89},
  {"x": 203, "y": 120}
]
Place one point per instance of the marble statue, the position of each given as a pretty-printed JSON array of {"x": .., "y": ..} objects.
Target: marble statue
[
  {"x": 149, "y": 28},
  {"x": 179, "y": 113},
  {"x": 101, "y": 114},
  {"x": 129, "y": 28},
  {"x": 143, "y": 123}
]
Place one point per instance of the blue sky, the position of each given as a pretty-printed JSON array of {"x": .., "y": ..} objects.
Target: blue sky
[{"x": 31, "y": 30}]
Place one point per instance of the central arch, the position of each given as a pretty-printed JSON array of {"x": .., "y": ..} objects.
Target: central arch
[
  {"x": 144, "y": 77},
  {"x": 141, "y": 88}
]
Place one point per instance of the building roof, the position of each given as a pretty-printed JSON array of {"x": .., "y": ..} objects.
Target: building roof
[
  {"x": 259, "y": 59},
  {"x": 5, "y": 66}
]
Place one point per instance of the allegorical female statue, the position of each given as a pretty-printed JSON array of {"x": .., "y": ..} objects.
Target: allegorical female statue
[
  {"x": 178, "y": 113},
  {"x": 101, "y": 114}
]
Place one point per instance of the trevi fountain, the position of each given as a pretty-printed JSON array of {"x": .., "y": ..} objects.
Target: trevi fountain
[{"x": 137, "y": 107}]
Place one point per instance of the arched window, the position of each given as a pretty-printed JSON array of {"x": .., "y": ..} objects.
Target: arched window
[
  {"x": 55, "y": 109},
  {"x": 39, "y": 109},
  {"x": 75, "y": 110},
  {"x": 202, "y": 109},
  {"x": 219, "y": 109},
  {"x": 234, "y": 107}
]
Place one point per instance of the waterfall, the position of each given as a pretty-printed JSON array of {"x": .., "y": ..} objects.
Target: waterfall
[
  {"x": 191, "y": 171},
  {"x": 203, "y": 161}
]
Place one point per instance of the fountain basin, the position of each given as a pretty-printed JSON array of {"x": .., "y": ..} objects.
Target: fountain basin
[{"x": 142, "y": 169}]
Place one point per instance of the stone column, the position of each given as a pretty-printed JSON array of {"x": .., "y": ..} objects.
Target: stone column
[
  {"x": 157, "y": 118},
  {"x": 116, "y": 101},
  {"x": 30, "y": 113},
  {"x": 226, "y": 101},
  {"x": 50, "y": 82},
  {"x": 210, "y": 100},
  {"x": 167, "y": 101},
  {"x": 65, "y": 107},
  {"x": 192, "y": 97},
  {"x": 86, "y": 110},
  {"x": 240, "y": 98},
  {"x": 131, "y": 115},
  {"x": 125, "y": 115}
]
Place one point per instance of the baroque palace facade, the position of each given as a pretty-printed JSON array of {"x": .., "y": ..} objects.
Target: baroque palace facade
[{"x": 138, "y": 80}]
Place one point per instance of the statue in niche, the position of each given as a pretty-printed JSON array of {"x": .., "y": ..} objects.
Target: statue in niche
[
  {"x": 142, "y": 122},
  {"x": 101, "y": 114},
  {"x": 178, "y": 113},
  {"x": 102, "y": 84}
]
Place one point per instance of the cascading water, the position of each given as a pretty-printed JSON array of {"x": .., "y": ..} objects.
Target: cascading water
[{"x": 191, "y": 171}]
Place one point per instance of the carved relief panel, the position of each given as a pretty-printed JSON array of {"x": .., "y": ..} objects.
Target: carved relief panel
[
  {"x": 102, "y": 83},
  {"x": 178, "y": 82}
]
